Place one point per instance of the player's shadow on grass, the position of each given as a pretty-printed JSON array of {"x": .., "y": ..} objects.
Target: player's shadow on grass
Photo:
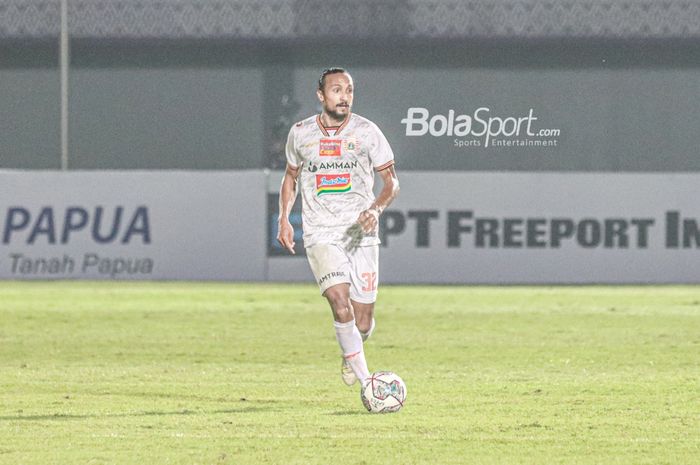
[
  {"x": 62, "y": 416},
  {"x": 348, "y": 413}
]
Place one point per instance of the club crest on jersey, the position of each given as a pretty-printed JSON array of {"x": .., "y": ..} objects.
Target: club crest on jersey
[
  {"x": 349, "y": 144},
  {"x": 330, "y": 147},
  {"x": 332, "y": 183}
]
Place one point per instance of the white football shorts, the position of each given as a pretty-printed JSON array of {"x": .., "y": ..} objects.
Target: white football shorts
[{"x": 332, "y": 264}]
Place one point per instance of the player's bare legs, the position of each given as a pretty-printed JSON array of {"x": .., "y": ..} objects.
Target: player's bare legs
[
  {"x": 364, "y": 318},
  {"x": 338, "y": 297},
  {"x": 346, "y": 331}
]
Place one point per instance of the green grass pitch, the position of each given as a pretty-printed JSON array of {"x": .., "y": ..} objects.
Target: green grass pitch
[{"x": 215, "y": 373}]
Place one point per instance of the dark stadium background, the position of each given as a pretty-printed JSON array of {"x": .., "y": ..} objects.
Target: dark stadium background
[{"x": 213, "y": 86}]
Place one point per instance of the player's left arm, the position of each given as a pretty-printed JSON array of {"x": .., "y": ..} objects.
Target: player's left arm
[{"x": 369, "y": 219}]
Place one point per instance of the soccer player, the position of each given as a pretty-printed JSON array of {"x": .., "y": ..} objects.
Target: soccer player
[{"x": 332, "y": 158}]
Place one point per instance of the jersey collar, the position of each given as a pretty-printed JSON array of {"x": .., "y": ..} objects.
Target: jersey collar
[{"x": 337, "y": 129}]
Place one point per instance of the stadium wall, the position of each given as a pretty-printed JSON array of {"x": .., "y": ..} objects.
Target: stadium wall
[
  {"x": 232, "y": 111},
  {"x": 583, "y": 107},
  {"x": 446, "y": 227}
]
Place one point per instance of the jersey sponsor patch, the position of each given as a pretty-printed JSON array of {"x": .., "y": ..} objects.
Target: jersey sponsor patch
[
  {"x": 333, "y": 183},
  {"x": 330, "y": 147}
]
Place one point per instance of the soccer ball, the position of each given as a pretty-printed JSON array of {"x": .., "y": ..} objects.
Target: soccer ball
[{"x": 383, "y": 392}]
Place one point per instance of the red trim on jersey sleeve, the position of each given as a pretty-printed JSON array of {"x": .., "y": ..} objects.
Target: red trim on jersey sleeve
[{"x": 384, "y": 166}]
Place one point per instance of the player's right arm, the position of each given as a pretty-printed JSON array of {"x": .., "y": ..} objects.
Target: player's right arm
[{"x": 288, "y": 193}]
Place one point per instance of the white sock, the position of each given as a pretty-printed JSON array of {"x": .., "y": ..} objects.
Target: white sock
[
  {"x": 350, "y": 342},
  {"x": 369, "y": 332}
]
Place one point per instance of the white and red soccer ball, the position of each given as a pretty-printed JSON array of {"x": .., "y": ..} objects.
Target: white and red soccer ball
[{"x": 383, "y": 392}]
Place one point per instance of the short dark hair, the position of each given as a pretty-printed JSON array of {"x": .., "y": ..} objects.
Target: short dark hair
[{"x": 326, "y": 72}]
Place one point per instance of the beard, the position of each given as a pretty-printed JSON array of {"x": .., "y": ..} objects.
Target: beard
[{"x": 337, "y": 115}]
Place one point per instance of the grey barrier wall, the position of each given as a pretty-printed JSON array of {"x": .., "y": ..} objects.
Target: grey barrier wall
[
  {"x": 530, "y": 119},
  {"x": 151, "y": 118},
  {"x": 603, "y": 107},
  {"x": 132, "y": 117},
  {"x": 215, "y": 84},
  {"x": 446, "y": 227}
]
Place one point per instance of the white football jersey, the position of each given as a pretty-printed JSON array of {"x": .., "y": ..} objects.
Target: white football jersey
[{"x": 337, "y": 176}]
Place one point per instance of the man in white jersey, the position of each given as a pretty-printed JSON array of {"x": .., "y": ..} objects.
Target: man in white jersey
[{"x": 332, "y": 158}]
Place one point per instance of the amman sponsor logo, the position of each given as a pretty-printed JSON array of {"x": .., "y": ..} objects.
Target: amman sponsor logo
[
  {"x": 334, "y": 165},
  {"x": 481, "y": 129}
]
